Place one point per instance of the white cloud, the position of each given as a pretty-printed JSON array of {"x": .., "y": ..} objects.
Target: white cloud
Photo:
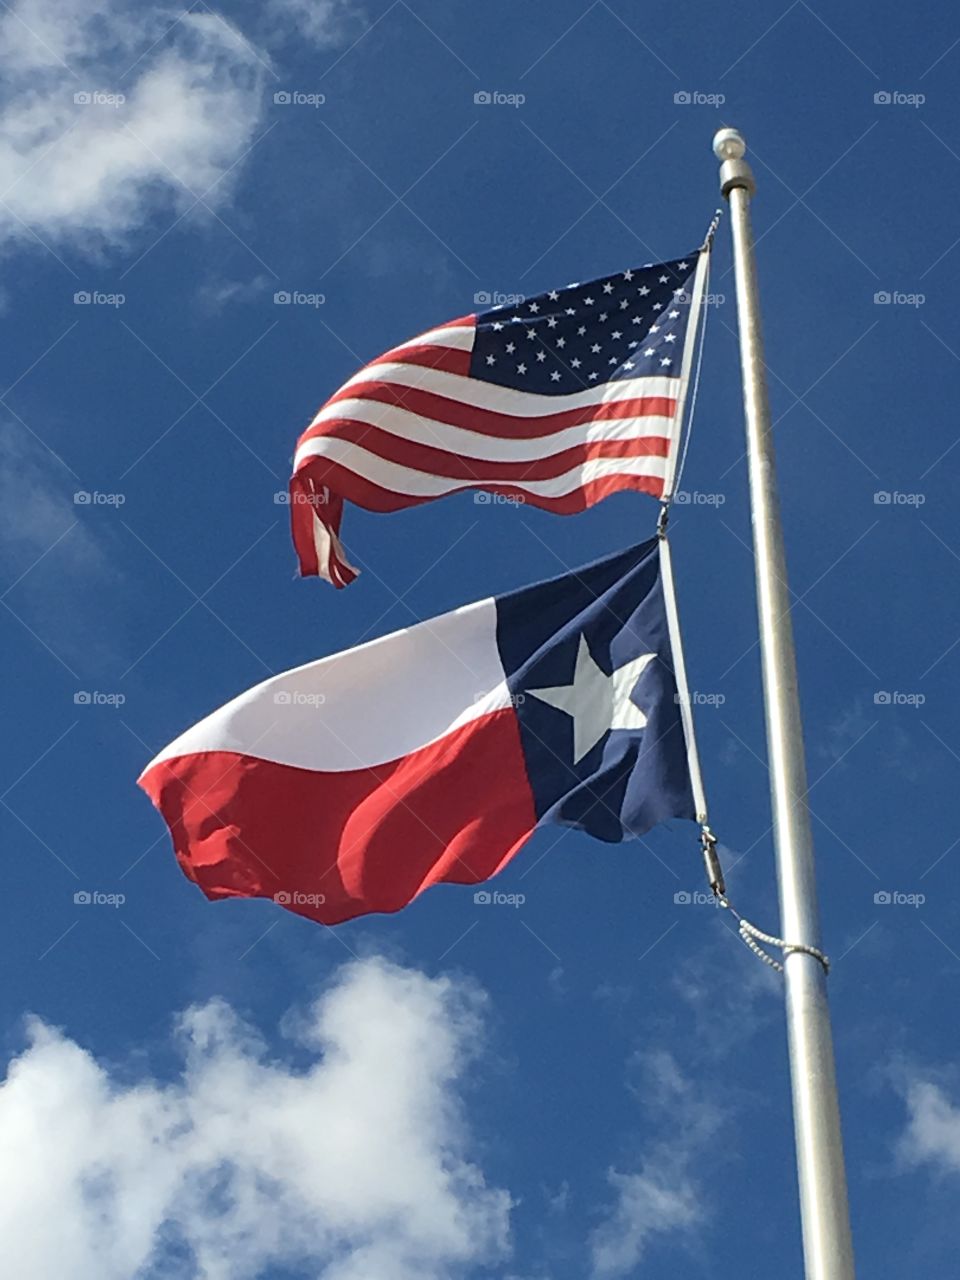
[
  {"x": 932, "y": 1135},
  {"x": 214, "y": 295},
  {"x": 94, "y": 171},
  {"x": 349, "y": 1167},
  {"x": 649, "y": 1203},
  {"x": 323, "y": 22},
  {"x": 662, "y": 1198}
]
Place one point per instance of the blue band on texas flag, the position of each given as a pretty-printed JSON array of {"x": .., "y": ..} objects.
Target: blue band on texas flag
[{"x": 351, "y": 784}]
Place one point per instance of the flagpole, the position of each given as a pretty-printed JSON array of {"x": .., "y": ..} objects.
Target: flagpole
[{"x": 827, "y": 1247}]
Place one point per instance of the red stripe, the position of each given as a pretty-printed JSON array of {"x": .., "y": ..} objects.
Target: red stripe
[
  {"x": 449, "y": 359},
  {"x": 456, "y": 413},
  {"x": 435, "y": 461},
  {"x": 347, "y": 484},
  {"x": 366, "y": 840}
]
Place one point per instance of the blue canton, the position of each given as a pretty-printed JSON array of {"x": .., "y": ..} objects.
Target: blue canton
[{"x": 630, "y": 325}]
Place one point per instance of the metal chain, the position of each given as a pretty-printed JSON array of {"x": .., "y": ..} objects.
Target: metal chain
[{"x": 752, "y": 936}]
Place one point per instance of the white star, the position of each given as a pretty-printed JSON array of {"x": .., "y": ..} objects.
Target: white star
[
  {"x": 552, "y": 322},
  {"x": 522, "y": 368},
  {"x": 491, "y": 360},
  {"x": 570, "y": 311},
  {"x": 629, "y": 365},
  {"x": 595, "y": 701},
  {"x": 534, "y": 307},
  {"x": 603, "y": 315},
  {"x": 671, "y": 337},
  {"x": 612, "y": 360},
  {"x": 595, "y": 348},
  {"x": 554, "y": 377},
  {"x": 608, "y": 287},
  {"x": 637, "y": 320},
  {"x": 497, "y": 326},
  {"x": 650, "y": 351},
  {"x": 658, "y": 306},
  {"x": 582, "y": 330},
  {"x": 664, "y": 279},
  {"x": 588, "y": 302},
  {"x": 541, "y": 356},
  {"x": 624, "y": 304},
  {"x": 684, "y": 265},
  {"x": 561, "y": 343},
  {"x": 575, "y": 364},
  {"x": 631, "y": 345},
  {"x": 654, "y": 328},
  {"x": 553, "y": 295},
  {"x": 678, "y": 293},
  {"x": 673, "y": 315},
  {"x": 616, "y": 334},
  {"x": 666, "y": 360},
  {"x": 510, "y": 348},
  {"x": 592, "y": 377},
  {"x": 643, "y": 291},
  {"x": 531, "y": 333},
  {"x": 628, "y": 276}
]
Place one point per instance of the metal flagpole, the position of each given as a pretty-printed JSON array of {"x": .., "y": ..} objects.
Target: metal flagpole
[{"x": 827, "y": 1247}]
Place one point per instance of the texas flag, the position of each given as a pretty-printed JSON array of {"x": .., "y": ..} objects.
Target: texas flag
[{"x": 351, "y": 784}]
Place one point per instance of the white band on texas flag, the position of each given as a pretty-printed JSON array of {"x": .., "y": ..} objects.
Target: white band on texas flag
[{"x": 350, "y": 784}]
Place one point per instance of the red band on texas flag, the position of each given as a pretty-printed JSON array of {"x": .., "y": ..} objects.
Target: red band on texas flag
[{"x": 352, "y": 783}]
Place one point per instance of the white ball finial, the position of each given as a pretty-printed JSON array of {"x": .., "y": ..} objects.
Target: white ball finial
[{"x": 728, "y": 144}]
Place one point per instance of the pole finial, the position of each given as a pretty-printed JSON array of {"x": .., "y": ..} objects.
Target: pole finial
[
  {"x": 729, "y": 144},
  {"x": 729, "y": 147}
]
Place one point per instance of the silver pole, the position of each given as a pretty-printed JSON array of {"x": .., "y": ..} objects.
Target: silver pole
[{"x": 827, "y": 1248}]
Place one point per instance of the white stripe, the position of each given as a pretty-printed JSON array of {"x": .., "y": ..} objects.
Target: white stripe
[
  {"x": 525, "y": 404},
  {"x": 406, "y": 425},
  {"x": 457, "y": 336},
  {"x": 422, "y": 484},
  {"x": 369, "y": 705}
]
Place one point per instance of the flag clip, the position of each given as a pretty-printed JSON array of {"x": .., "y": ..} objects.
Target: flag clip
[{"x": 711, "y": 861}]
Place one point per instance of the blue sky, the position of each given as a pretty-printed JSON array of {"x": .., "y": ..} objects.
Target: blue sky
[{"x": 595, "y": 1083}]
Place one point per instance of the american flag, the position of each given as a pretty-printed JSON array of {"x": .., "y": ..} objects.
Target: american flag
[{"x": 557, "y": 400}]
